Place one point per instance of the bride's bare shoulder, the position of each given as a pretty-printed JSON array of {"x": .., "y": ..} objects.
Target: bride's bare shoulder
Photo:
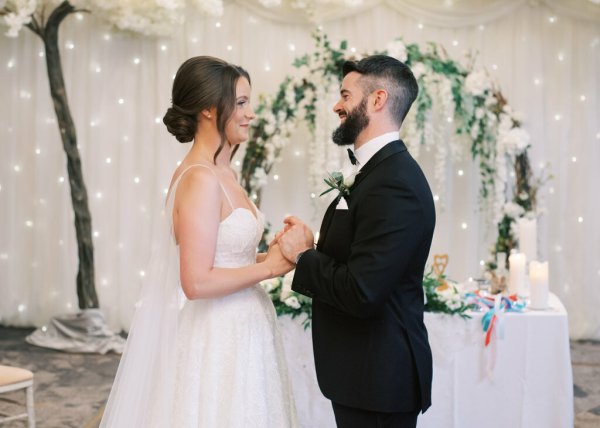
[{"x": 193, "y": 177}]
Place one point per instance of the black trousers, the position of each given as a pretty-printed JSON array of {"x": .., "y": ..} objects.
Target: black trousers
[{"x": 350, "y": 417}]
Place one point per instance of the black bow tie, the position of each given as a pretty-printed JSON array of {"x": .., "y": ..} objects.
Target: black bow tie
[{"x": 352, "y": 157}]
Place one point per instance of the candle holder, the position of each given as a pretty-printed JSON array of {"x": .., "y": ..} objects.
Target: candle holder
[
  {"x": 498, "y": 276},
  {"x": 498, "y": 283},
  {"x": 440, "y": 261}
]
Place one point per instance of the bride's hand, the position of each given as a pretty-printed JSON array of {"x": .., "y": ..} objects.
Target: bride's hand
[
  {"x": 278, "y": 264},
  {"x": 279, "y": 235}
]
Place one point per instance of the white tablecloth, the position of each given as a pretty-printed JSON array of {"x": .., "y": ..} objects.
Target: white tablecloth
[{"x": 526, "y": 384}]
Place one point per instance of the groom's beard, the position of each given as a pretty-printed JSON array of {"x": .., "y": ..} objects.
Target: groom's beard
[{"x": 355, "y": 122}]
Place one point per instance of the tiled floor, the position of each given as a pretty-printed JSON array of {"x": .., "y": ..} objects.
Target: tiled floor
[{"x": 71, "y": 388}]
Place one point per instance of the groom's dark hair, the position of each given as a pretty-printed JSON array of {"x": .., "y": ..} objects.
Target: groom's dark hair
[{"x": 382, "y": 71}]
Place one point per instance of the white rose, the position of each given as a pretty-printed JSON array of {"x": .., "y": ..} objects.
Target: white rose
[
  {"x": 286, "y": 286},
  {"x": 15, "y": 22},
  {"x": 349, "y": 180},
  {"x": 210, "y": 7},
  {"x": 269, "y": 129},
  {"x": 260, "y": 177},
  {"x": 513, "y": 210},
  {"x": 397, "y": 49},
  {"x": 292, "y": 302},
  {"x": 270, "y": 284},
  {"x": 514, "y": 141},
  {"x": 475, "y": 130},
  {"x": 419, "y": 69},
  {"x": 477, "y": 83}
]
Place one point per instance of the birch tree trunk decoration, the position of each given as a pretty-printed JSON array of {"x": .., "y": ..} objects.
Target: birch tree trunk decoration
[
  {"x": 157, "y": 21},
  {"x": 48, "y": 32}
]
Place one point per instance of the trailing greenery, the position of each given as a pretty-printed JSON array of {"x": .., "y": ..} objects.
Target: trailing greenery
[{"x": 453, "y": 98}]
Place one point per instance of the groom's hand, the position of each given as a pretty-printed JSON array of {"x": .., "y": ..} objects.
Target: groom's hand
[
  {"x": 296, "y": 239},
  {"x": 278, "y": 235}
]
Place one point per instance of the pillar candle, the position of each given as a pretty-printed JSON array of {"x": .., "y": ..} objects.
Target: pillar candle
[
  {"x": 528, "y": 237},
  {"x": 516, "y": 273},
  {"x": 538, "y": 282}
]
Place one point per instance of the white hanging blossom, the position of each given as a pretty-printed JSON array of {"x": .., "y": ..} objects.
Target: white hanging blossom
[
  {"x": 513, "y": 210},
  {"x": 18, "y": 14},
  {"x": 259, "y": 179},
  {"x": 512, "y": 140},
  {"x": 411, "y": 134},
  {"x": 478, "y": 83},
  {"x": 151, "y": 18},
  {"x": 209, "y": 7},
  {"x": 418, "y": 70},
  {"x": 397, "y": 49}
]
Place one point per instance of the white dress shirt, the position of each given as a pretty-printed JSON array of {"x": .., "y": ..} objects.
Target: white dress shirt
[{"x": 367, "y": 150}]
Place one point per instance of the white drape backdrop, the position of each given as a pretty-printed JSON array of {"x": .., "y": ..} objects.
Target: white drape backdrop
[{"x": 545, "y": 55}]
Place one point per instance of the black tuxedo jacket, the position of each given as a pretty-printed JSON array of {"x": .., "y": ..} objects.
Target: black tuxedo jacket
[{"x": 365, "y": 277}]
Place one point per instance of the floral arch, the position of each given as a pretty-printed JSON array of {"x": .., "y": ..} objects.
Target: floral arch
[{"x": 459, "y": 110}]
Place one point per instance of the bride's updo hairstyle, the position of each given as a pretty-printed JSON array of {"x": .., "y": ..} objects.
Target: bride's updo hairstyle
[{"x": 202, "y": 82}]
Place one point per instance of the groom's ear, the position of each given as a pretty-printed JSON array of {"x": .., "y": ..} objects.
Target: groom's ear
[{"x": 379, "y": 99}]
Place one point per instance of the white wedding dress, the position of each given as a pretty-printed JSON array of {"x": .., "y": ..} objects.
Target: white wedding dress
[{"x": 209, "y": 362}]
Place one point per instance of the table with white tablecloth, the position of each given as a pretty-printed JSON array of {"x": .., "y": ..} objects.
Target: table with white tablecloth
[{"x": 522, "y": 379}]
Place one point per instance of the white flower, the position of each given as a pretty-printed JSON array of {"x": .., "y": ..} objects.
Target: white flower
[
  {"x": 260, "y": 177},
  {"x": 517, "y": 116},
  {"x": 292, "y": 302},
  {"x": 451, "y": 297},
  {"x": 475, "y": 130},
  {"x": 286, "y": 287},
  {"x": 419, "y": 69},
  {"x": 514, "y": 141},
  {"x": 513, "y": 210},
  {"x": 349, "y": 180},
  {"x": 270, "y": 3},
  {"x": 270, "y": 284},
  {"x": 269, "y": 128},
  {"x": 290, "y": 96},
  {"x": 397, "y": 49},
  {"x": 210, "y": 7},
  {"x": 477, "y": 83},
  {"x": 20, "y": 15}
]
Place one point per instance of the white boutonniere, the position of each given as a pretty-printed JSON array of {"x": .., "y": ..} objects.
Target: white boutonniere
[{"x": 336, "y": 181}]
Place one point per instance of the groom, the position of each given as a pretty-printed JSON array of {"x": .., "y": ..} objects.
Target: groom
[{"x": 371, "y": 350}]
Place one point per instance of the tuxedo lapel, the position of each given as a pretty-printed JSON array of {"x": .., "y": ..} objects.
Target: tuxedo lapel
[{"x": 385, "y": 152}]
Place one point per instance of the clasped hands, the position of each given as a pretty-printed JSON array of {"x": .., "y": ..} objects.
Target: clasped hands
[{"x": 295, "y": 238}]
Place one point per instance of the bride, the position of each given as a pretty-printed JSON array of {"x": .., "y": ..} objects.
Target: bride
[{"x": 204, "y": 349}]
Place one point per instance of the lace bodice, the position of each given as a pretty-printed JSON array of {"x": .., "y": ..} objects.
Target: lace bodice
[{"x": 239, "y": 235}]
